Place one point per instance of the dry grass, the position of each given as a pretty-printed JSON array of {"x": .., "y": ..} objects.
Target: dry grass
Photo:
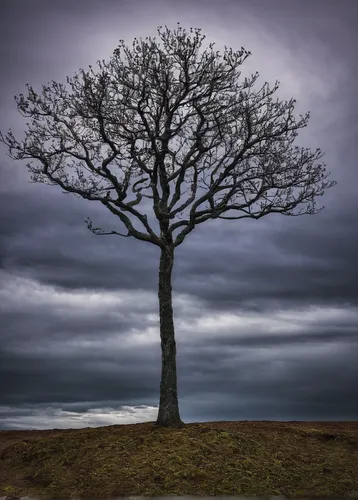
[{"x": 295, "y": 459}]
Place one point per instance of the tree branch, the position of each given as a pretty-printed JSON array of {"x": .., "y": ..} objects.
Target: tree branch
[{"x": 234, "y": 140}]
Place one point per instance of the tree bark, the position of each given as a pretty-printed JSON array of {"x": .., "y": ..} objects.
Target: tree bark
[{"x": 168, "y": 414}]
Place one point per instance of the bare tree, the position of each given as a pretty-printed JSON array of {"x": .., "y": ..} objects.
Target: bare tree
[{"x": 236, "y": 142}]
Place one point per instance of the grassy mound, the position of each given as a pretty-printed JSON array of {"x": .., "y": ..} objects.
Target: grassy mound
[{"x": 295, "y": 459}]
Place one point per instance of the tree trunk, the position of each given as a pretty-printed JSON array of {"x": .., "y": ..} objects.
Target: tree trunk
[{"x": 168, "y": 414}]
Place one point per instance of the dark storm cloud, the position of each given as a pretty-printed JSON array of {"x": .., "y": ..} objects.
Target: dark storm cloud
[{"x": 266, "y": 312}]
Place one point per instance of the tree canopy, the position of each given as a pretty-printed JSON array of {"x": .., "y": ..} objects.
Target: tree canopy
[{"x": 155, "y": 119}]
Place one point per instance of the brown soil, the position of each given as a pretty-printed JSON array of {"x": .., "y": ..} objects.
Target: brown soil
[{"x": 294, "y": 459}]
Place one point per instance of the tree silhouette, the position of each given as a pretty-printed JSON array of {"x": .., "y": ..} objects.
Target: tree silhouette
[{"x": 165, "y": 117}]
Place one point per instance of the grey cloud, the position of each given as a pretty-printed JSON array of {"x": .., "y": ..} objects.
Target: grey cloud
[{"x": 266, "y": 311}]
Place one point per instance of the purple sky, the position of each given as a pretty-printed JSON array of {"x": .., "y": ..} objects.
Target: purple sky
[{"x": 266, "y": 312}]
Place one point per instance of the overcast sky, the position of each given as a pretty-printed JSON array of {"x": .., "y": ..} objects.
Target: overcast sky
[{"x": 266, "y": 311}]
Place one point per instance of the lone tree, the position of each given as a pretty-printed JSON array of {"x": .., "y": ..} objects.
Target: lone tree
[{"x": 126, "y": 117}]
